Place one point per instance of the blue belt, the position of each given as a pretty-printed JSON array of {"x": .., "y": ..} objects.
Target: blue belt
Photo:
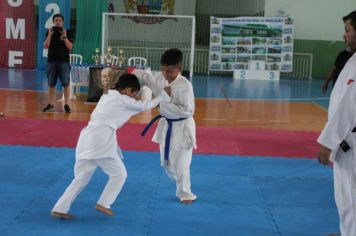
[{"x": 168, "y": 134}]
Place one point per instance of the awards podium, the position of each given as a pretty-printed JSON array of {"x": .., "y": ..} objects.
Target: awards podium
[{"x": 256, "y": 71}]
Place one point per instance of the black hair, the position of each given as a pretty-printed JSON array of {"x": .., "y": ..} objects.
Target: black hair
[
  {"x": 57, "y": 15},
  {"x": 172, "y": 56},
  {"x": 352, "y": 17},
  {"x": 127, "y": 80}
]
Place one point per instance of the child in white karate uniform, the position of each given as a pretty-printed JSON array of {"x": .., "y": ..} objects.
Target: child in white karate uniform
[
  {"x": 175, "y": 132},
  {"x": 97, "y": 145}
]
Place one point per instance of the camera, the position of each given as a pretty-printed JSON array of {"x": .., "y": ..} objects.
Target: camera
[{"x": 57, "y": 29}]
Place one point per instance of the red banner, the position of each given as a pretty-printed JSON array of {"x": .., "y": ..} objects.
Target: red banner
[{"x": 17, "y": 34}]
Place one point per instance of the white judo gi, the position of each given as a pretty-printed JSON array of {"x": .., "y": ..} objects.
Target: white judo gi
[
  {"x": 341, "y": 121},
  {"x": 183, "y": 136},
  {"x": 97, "y": 146}
]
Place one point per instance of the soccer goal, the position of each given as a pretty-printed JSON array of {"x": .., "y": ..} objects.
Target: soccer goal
[{"x": 148, "y": 36}]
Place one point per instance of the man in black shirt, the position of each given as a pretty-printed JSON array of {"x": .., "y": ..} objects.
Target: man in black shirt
[
  {"x": 339, "y": 63},
  {"x": 59, "y": 45}
]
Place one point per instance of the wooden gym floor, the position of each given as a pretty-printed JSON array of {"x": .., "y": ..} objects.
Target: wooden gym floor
[{"x": 288, "y": 104}]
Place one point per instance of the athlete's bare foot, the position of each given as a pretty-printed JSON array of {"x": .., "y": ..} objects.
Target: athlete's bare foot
[
  {"x": 60, "y": 215},
  {"x": 104, "y": 210},
  {"x": 187, "y": 202}
]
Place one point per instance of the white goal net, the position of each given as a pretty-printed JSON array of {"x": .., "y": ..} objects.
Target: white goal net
[{"x": 148, "y": 36}]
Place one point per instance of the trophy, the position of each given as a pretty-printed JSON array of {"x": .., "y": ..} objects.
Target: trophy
[
  {"x": 96, "y": 57},
  {"x": 108, "y": 57},
  {"x": 121, "y": 58}
]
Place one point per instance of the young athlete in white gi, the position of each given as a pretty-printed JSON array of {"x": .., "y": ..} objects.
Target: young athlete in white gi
[
  {"x": 175, "y": 132},
  {"x": 97, "y": 144},
  {"x": 338, "y": 138}
]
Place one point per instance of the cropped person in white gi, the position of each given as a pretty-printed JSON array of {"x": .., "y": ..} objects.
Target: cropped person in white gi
[
  {"x": 97, "y": 144},
  {"x": 177, "y": 156},
  {"x": 338, "y": 138}
]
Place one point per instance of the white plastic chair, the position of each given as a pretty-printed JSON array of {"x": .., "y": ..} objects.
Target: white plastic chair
[
  {"x": 145, "y": 92},
  {"x": 74, "y": 85},
  {"x": 114, "y": 60},
  {"x": 137, "y": 61},
  {"x": 75, "y": 59}
]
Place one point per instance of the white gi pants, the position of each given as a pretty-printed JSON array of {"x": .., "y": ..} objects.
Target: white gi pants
[
  {"x": 178, "y": 170},
  {"x": 83, "y": 172},
  {"x": 345, "y": 190}
]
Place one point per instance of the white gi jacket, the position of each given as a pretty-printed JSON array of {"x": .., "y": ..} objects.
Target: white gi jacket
[
  {"x": 98, "y": 138},
  {"x": 182, "y": 105},
  {"x": 342, "y": 111}
]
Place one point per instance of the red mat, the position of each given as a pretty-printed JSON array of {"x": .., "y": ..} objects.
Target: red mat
[{"x": 211, "y": 140}]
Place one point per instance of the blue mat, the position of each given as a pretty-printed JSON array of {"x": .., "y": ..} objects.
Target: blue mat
[{"x": 237, "y": 195}]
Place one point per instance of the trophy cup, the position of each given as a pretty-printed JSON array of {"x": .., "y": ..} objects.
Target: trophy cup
[
  {"x": 108, "y": 57},
  {"x": 121, "y": 58},
  {"x": 96, "y": 57}
]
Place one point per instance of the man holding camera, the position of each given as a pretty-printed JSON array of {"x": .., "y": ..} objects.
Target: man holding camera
[{"x": 59, "y": 45}]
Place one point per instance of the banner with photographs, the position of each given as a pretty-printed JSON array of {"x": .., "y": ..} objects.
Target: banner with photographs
[{"x": 234, "y": 42}]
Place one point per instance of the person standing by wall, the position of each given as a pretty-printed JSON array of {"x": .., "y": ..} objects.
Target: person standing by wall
[
  {"x": 59, "y": 44},
  {"x": 339, "y": 64}
]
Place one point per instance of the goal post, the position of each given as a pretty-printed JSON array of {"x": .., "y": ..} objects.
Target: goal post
[{"x": 148, "y": 36}]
